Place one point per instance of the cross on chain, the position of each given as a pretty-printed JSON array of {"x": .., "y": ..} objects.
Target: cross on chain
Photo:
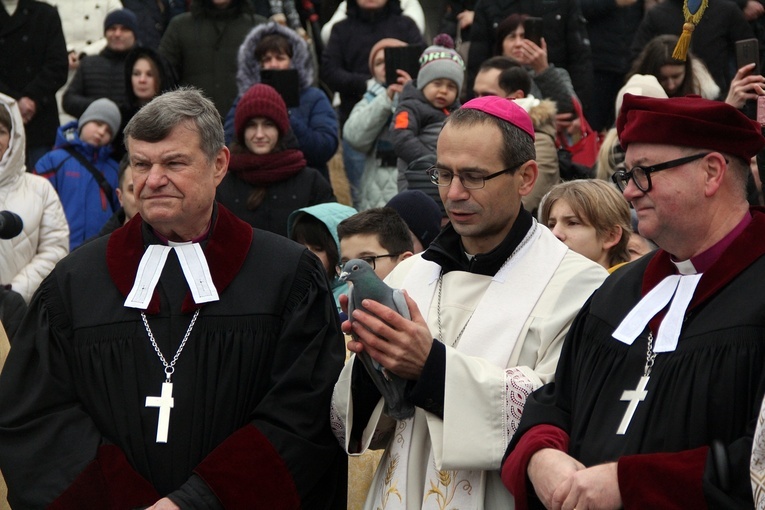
[
  {"x": 634, "y": 397},
  {"x": 164, "y": 402}
]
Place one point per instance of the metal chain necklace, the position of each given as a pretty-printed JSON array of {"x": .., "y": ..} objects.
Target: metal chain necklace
[
  {"x": 165, "y": 401},
  {"x": 529, "y": 235}
]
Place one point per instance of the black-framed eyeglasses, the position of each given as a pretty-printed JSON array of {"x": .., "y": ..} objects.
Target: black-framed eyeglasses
[
  {"x": 469, "y": 179},
  {"x": 641, "y": 175},
  {"x": 371, "y": 260}
]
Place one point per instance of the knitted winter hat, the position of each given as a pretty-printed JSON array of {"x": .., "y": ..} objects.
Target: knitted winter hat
[
  {"x": 124, "y": 17},
  {"x": 420, "y": 213},
  {"x": 640, "y": 85},
  {"x": 103, "y": 110},
  {"x": 261, "y": 100},
  {"x": 441, "y": 61}
]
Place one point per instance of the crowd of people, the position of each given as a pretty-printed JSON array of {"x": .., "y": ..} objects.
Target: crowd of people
[{"x": 547, "y": 214}]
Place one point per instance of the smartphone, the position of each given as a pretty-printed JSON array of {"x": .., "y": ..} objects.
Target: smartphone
[
  {"x": 748, "y": 52},
  {"x": 533, "y": 30},
  {"x": 406, "y": 58},
  {"x": 761, "y": 110},
  {"x": 286, "y": 82}
]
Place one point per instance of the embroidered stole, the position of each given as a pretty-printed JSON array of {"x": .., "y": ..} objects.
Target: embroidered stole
[{"x": 491, "y": 333}]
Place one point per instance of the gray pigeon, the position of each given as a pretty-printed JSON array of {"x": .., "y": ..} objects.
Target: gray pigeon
[{"x": 367, "y": 285}]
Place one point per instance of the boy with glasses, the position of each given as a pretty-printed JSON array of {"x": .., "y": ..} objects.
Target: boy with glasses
[{"x": 377, "y": 236}]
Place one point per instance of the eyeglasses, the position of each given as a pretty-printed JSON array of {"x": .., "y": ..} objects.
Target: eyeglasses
[
  {"x": 469, "y": 180},
  {"x": 371, "y": 260},
  {"x": 641, "y": 175}
]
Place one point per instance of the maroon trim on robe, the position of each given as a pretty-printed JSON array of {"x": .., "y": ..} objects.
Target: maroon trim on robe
[
  {"x": 226, "y": 250},
  {"x": 108, "y": 482},
  {"x": 246, "y": 471},
  {"x": 515, "y": 466},
  {"x": 742, "y": 252},
  {"x": 663, "y": 480}
]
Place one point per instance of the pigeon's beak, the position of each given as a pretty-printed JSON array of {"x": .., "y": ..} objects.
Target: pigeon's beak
[{"x": 344, "y": 276}]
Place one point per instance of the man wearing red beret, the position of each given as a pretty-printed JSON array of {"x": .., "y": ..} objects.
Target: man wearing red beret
[{"x": 661, "y": 375}]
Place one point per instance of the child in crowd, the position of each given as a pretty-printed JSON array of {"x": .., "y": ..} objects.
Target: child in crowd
[
  {"x": 315, "y": 228},
  {"x": 367, "y": 129},
  {"x": 82, "y": 172},
  {"x": 426, "y": 102},
  {"x": 378, "y": 236},
  {"x": 590, "y": 217},
  {"x": 126, "y": 198}
]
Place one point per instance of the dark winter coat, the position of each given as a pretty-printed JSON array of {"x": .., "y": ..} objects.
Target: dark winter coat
[
  {"x": 33, "y": 64},
  {"x": 98, "y": 76},
  {"x": 202, "y": 45},
  {"x": 564, "y": 32},
  {"x": 713, "y": 41},
  {"x": 303, "y": 189},
  {"x": 345, "y": 61},
  {"x": 611, "y": 29}
]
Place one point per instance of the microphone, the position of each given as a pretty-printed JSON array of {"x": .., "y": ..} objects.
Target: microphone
[{"x": 10, "y": 225}]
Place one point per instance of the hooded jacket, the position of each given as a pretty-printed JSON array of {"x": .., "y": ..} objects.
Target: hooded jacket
[
  {"x": 331, "y": 214},
  {"x": 28, "y": 258},
  {"x": 86, "y": 205},
  {"x": 313, "y": 121}
]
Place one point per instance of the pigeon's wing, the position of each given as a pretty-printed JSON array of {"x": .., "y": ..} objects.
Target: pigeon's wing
[{"x": 399, "y": 303}]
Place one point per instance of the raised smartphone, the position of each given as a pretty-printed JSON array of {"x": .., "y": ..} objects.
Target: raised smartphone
[
  {"x": 533, "y": 29},
  {"x": 748, "y": 52}
]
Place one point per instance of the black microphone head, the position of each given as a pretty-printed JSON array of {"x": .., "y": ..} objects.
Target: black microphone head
[{"x": 10, "y": 225}]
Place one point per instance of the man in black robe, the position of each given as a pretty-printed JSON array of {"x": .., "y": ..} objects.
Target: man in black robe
[
  {"x": 660, "y": 379},
  {"x": 207, "y": 389}
]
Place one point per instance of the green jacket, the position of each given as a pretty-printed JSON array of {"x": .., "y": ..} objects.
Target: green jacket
[{"x": 202, "y": 47}]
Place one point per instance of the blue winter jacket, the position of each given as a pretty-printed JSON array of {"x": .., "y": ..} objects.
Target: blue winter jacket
[
  {"x": 313, "y": 121},
  {"x": 86, "y": 205}
]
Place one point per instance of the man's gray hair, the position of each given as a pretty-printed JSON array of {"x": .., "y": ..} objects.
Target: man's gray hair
[
  {"x": 517, "y": 146},
  {"x": 185, "y": 105}
]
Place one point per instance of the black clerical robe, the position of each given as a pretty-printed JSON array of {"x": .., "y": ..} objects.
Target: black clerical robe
[
  {"x": 689, "y": 441},
  {"x": 252, "y": 387}
]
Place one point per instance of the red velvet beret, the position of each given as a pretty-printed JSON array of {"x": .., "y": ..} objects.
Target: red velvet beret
[
  {"x": 261, "y": 100},
  {"x": 689, "y": 121}
]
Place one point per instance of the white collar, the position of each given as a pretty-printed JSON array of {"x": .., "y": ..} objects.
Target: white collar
[
  {"x": 677, "y": 289},
  {"x": 195, "y": 269}
]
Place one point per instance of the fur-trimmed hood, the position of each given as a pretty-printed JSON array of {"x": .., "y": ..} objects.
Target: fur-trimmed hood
[
  {"x": 12, "y": 162},
  {"x": 541, "y": 111},
  {"x": 248, "y": 73}
]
